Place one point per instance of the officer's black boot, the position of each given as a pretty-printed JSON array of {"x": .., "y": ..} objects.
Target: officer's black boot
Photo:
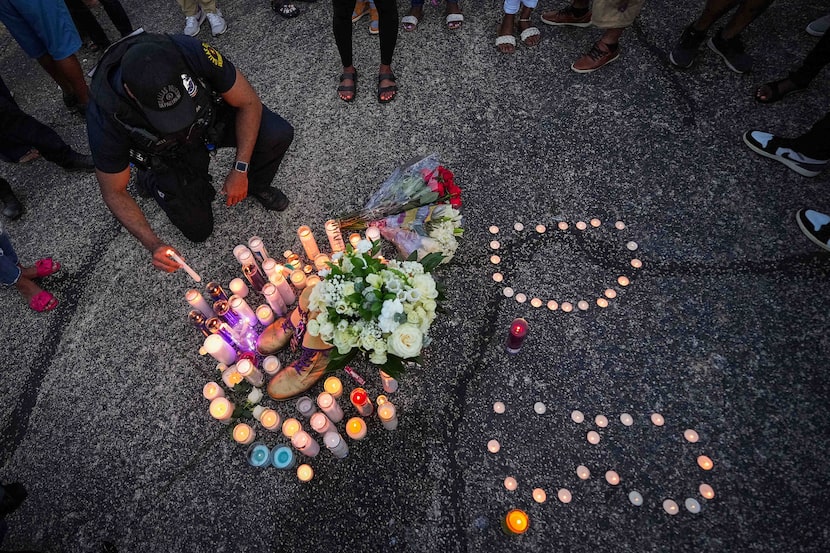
[{"x": 13, "y": 208}]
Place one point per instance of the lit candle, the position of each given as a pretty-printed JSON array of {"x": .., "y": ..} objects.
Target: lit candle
[
  {"x": 581, "y": 225},
  {"x": 306, "y": 445},
  {"x": 219, "y": 349},
  {"x": 536, "y": 302},
  {"x": 567, "y": 306},
  {"x": 274, "y": 299},
  {"x": 360, "y": 400},
  {"x": 321, "y": 423},
  {"x": 602, "y": 302},
  {"x": 390, "y": 385},
  {"x": 270, "y": 267},
  {"x": 336, "y": 444},
  {"x": 636, "y": 263},
  {"x": 356, "y": 428},
  {"x": 583, "y": 472},
  {"x": 321, "y": 262},
  {"x": 259, "y": 455},
  {"x": 508, "y": 292},
  {"x": 254, "y": 396},
  {"x": 706, "y": 491},
  {"x": 691, "y": 436},
  {"x": 212, "y": 390},
  {"x": 657, "y": 419},
  {"x": 197, "y": 302},
  {"x": 516, "y": 336},
  {"x": 278, "y": 280},
  {"x": 238, "y": 304},
  {"x": 264, "y": 315},
  {"x": 539, "y": 495},
  {"x": 626, "y": 419},
  {"x": 498, "y": 277},
  {"x": 582, "y": 305},
  {"x": 249, "y": 372},
  {"x": 335, "y": 236},
  {"x": 312, "y": 280},
  {"x": 631, "y": 246},
  {"x": 636, "y": 498},
  {"x": 175, "y": 257},
  {"x": 493, "y": 446},
  {"x": 243, "y": 434},
  {"x": 521, "y": 298},
  {"x": 595, "y": 222},
  {"x": 298, "y": 279},
  {"x": 221, "y": 409},
  {"x": 381, "y": 399},
  {"x": 494, "y": 229},
  {"x": 593, "y": 437},
  {"x": 692, "y": 505},
  {"x": 562, "y": 225},
  {"x": 270, "y": 420},
  {"x": 610, "y": 293},
  {"x": 388, "y": 416},
  {"x": 373, "y": 234},
  {"x": 305, "y": 473},
  {"x": 283, "y": 458},
  {"x": 612, "y": 477},
  {"x": 495, "y": 260},
  {"x": 564, "y": 495},
  {"x": 539, "y": 408},
  {"x": 619, "y": 225},
  {"x": 670, "y": 506},
  {"x": 231, "y": 377},
  {"x": 541, "y": 229},
  {"x": 290, "y": 427},
  {"x": 334, "y": 386},
  {"x": 498, "y": 407},
  {"x": 601, "y": 421},
  {"x": 238, "y": 287},
  {"x": 256, "y": 246},
  {"x": 494, "y": 244},
  {"x": 251, "y": 272},
  {"x": 305, "y": 406},
  {"x": 329, "y": 406},
  {"x": 705, "y": 462},
  {"x": 518, "y": 227},
  {"x": 515, "y": 523},
  {"x": 622, "y": 280},
  {"x": 308, "y": 242},
  {"x": 510, "y": 483},
  {"x": 577, "y": 416},
  {"x": 271, "y": 365}
]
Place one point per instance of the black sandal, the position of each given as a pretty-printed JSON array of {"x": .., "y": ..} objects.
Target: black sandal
[
  {"x": 348, "y": 88},
  {"x": 383, "y": 89},
  {"x": 776, "y": 92},
  {"x": 285, "y": 9}
]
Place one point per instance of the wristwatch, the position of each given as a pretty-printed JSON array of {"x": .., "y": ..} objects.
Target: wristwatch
[{"x": 241, "y": 166}]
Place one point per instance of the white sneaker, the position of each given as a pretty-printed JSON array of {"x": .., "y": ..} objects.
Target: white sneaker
[
  {"x": 193, "y": 23},
  {"x": 218, "y": 25},
  {"x": 819, "y": 26}
]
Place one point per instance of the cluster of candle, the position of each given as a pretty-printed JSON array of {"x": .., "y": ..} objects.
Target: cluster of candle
[
  {"x": 553, "y": 305},
  {"x": 516, "y": 521}
]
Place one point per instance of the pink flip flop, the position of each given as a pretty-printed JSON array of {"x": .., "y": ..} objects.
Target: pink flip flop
[
  {"x": 43, "y": 301},
  {"x": 46, "y": 267}
]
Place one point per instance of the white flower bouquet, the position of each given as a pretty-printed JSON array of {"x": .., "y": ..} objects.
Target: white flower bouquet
[
  {"x": 425, "y": 230},
  {"x": 382, "y": 309}
]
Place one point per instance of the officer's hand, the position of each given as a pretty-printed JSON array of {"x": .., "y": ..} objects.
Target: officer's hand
[
  {"x": 236, "y": 187},
  {"x": 162, "y": 261}
]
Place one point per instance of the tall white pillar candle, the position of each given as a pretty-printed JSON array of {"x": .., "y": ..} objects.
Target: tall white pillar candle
[
  {"x": 270, "y": 266},
  {"x": 321, "y": 423},
  {"x": 264, "y": 315},
  {"x": 390, "y": 385},
  {"x": 238, "y": 287},
  {"x": 278, "y": 280},
  {"x": 305, "y": 444},
  {"x": 196, "y": 301},
  {"x": 388, "y": 416},
  {"x": 330, "y": 407},
  {"x": 241, "y": 306},
  {"x": 335, "y": 236},
  {"x": 308, "y": 242},
  {"x": 274, "y": 299},
  {"x": 336, "y": 444},
  {"x": 175, "y": 257},
  {"x": 257, "y": 247},
  {"x": 219, "y": 349},
  {"x": 237, "y": 251}
]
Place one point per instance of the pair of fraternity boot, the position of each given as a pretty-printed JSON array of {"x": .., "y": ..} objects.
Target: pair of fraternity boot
[{"x": 305, "y": 371}]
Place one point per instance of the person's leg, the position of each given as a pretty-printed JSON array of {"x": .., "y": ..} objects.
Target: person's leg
[
  {"x": 86, "y": 24},
  {"x": 613, "y": 17},
  {"x": 815, "y": 61},
  {"x": 529, "y": 34},
  {"x": 18, "y": 128},
  {"x": 712, "y": 11},
  {"x": 575, "y": 14},
  {"x": 342, "y": 28},
  {"x": 454, "y": 8},
  {"x": 13, "y": 208},
  {"x": 388, "y": 26},
  {"x": 118, "y": 16},
  {"x": 185, "y": 197},
  {"x": 746, "y": 13},
  {"x": 190, "y": 8},
  {"x": 815, "y": 143},
  {"x": 208, "y": 6},
  {"x": 506, "y": 42},
  {"x": 13, "y": 274}
]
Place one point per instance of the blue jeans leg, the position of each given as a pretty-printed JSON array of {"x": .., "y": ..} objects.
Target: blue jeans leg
[{"x": 9, "y": 271}]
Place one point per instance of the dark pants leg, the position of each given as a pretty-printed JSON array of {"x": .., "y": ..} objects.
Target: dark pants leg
[
  {"x": 274, "y": 138},
  {"x": 184, "y": 192},
  {"x": 10, "y": 152},
  {"x": 86, "y": 23},
  {"x": 818, "y": 57},
  {"x": 387, "y": 25},
  {"x": 20, "y": 130},
  {"x": 118, "y": 16},
  {"x": 815, "y": 142}
]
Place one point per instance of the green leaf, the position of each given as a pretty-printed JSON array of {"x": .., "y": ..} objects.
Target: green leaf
[
  {"x": 431, "y": 261},
  {"x": 339, "y": 360},
  {"x": 394, "y": 366},
  {"x": 413, "y": 256}
]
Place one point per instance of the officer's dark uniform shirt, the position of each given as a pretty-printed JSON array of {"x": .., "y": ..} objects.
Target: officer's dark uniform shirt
[{"x": 110, "y": 143}]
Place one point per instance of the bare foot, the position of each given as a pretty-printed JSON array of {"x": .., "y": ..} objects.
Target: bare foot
[
  {"x": 387, "y": 95},
  {"x": 775, "y": 90},
  {"x": 506, "y": 29},
  {"x": 348, "y": 86},
  {"x": 28, "y": 289},
  {"x": 454, "y": 7}
]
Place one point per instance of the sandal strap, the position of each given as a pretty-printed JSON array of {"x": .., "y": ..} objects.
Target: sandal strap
[
  {"x": 387, "y": 76},
  {"x": 348, "y": 76},
  {"x": 409, "y": 20},
  {"x": 529, "y": 32},
  {"x": 455, "y": 18},
  {"x": 505, "y": 39}
]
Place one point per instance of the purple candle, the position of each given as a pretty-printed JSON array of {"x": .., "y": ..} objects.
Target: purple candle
[{"x": 517, "y": 335}]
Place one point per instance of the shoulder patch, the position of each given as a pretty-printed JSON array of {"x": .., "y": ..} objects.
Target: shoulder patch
[{"x": 212, "y": 54}]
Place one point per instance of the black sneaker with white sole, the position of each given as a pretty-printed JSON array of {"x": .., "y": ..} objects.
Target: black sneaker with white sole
[
  {"x": 685, "y": 51},
  {"x": 732, "y": 52},
  {"x": 815, "y": 225},
  {"x": 779, "y": 149}
]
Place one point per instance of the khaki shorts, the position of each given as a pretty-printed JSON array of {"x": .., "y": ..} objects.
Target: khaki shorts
[{"x": 615, "y": 14}]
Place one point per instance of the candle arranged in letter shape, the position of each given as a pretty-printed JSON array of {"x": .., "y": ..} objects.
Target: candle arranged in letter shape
[
  {"x": 517, "y": 335},
  {"x": 330, "y": 407},
  {"x": 360, "y": 399}
]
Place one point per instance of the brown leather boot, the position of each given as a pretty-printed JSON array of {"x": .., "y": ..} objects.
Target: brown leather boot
[
  {"x": 300, "y": 375},
  {"x": 279, "y": 333}
]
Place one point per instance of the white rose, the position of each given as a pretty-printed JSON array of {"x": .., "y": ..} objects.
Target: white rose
[
  {"x": 363, "y": 246},
  {"x": 313, "y": 327},
  {"x": 374, "y": 280},
  {"x": 405, "y": 341},
  {"x": 426, "y": 285}
]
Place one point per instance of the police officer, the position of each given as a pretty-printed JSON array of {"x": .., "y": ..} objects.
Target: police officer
[{"x": 164, "y": 102}]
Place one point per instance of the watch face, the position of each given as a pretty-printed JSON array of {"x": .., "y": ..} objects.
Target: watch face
[{"x": 241, "y": 166}]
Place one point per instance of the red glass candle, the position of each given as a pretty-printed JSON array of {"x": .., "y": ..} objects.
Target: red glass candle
[
  {"x": 360, "y": 399},
  {"x": 517, "y": 335}
]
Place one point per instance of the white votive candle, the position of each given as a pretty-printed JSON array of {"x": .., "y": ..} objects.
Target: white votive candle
[
  {"x": 670, "y": 506},
  {"x": 567, "y": 306},
  {"x": 619, "y": 225},
  {"x": 612, "y": 477},
  {"x": 356, "y": 428},
  {"x": 626, "y": 419},
  {"x": 243, "y": 434},
  {"x": 388, "y": 416},
  {"x": 298, "y": 279},
  {"x": 706, "y": 491},
  {"x": 622, "y": 280},
  {"x": 562, "y": 225},
  {"x": 249, "y": 372},
  {"x": 581, "y": 225},
  {"x": 518, "y": 227},
  {"x": 692, "y": 505},
  {"x": 270, "y": 420},
  {"x": 583, "y": 472},
  {"x": 631, "y": 246},
  {"x": 539, "y": 495},
  {"x": 493, "y": 446},
  {"x": 595, "y": 222},
  {"x": 336, "y": 444},
  {"x": 390, "y": 385},
  {"x": 305, "y": 444},
  {"x": 602, "y": 302},
  {"x": 636, "y": 263},
  {"x": 498, "y": 407},
  {"x": 238, "y": 287},
  {"x": 510, "y": 483},
  {"x": 373, "y": 234},
  {"x": 212, "y": 390},
  {"x": 271, "y": 365},
  {"x": 601, "y": 421},
  {"x": 219, "y": 349},
  {"x": 657, "y": 419},
  {"x": 577, "y": 416},
  {"x": 691, "y": 436},
  {"x": 593, "y": 437},
  {"x": 240, "y": 306},
  {"x": 539, "y": 408},
  {"x": 508, "y": 292},
  {"x": 305, "y": 406},
  {"x": 705, "y": 462},
  {"x": 494, "y": 229},
  {"x": 564, "y": 495},
  {"x": 495, "y": 260},
  {"x": 305, "y": 473},
  {"x": 321, "y": 423},
  {"x": 290, "y": 427},
  {"x": 258, "y": 247},
  {"x": 610, "y": 293},
  {"x": 329, "y": 406},
  {"x": 265, "y": 315},
  {"x": 221, "y": 409},
  {"x": 636, "y": 498}
]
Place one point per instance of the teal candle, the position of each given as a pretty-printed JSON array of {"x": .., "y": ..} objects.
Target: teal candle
[
  {"x": 283, "y": 458},
  {"x": 258, "y": 454}
]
